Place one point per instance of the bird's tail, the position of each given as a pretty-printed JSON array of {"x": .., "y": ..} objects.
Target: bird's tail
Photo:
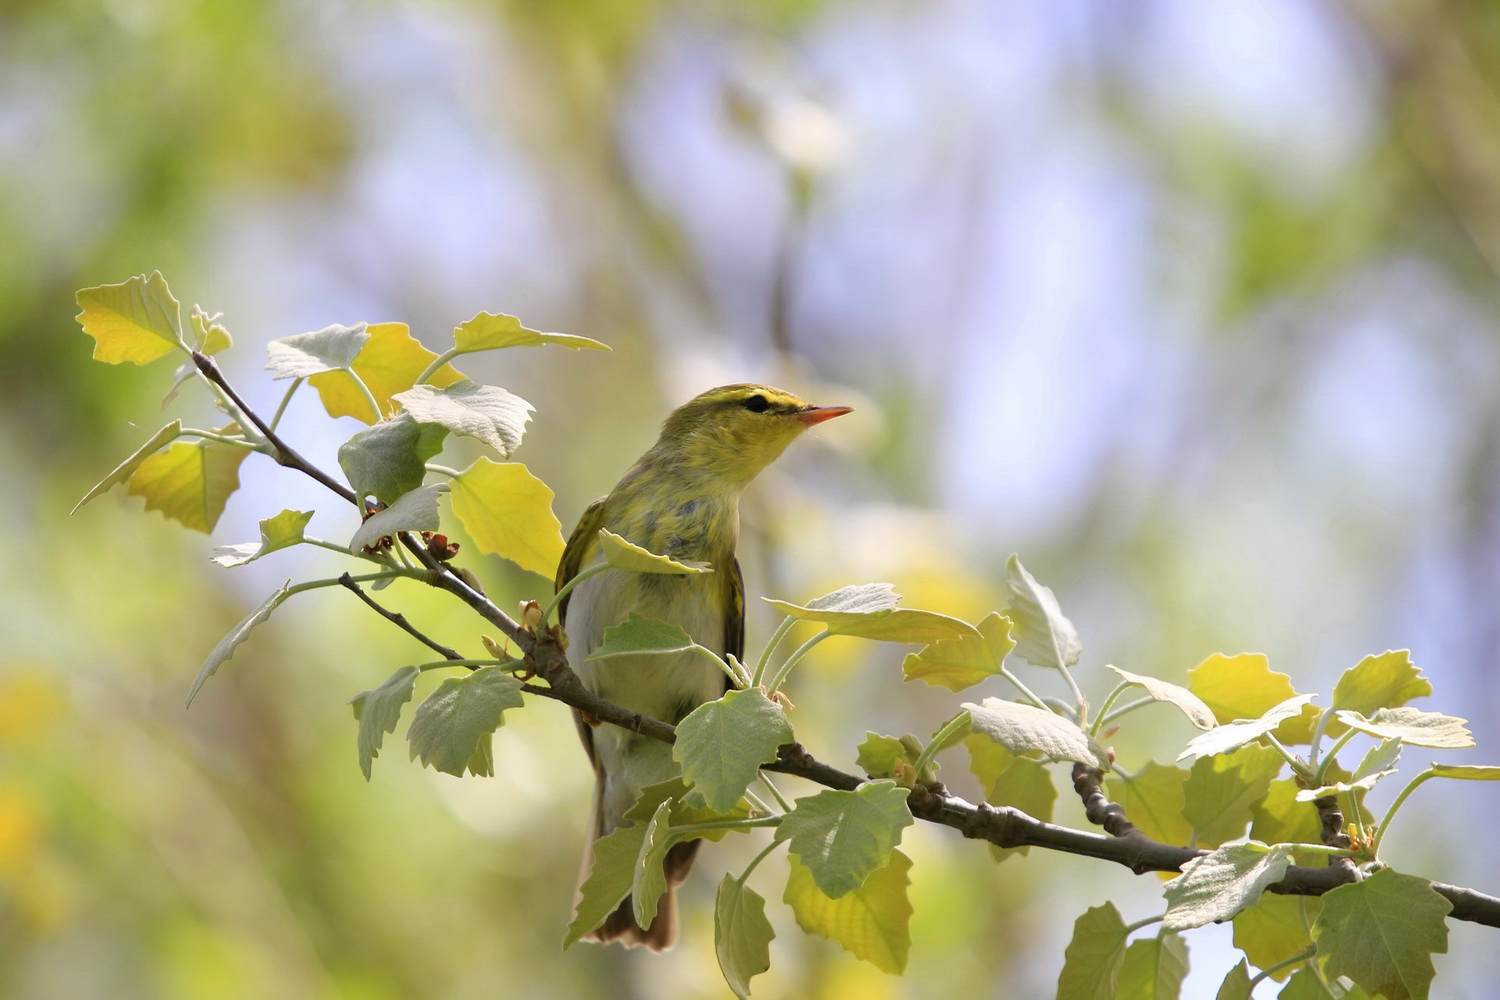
[{"x": 621, "y": 925}]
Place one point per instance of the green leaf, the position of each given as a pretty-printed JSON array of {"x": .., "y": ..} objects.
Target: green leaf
[
  {"x": 279, "y": 532},
  {"x": 1281, "y": 819},
  {"x": 388, "y": 363},
  {"x": 1153, "y": 799},
  {"x": 1275, "y": 929},
  {"x": 414, "y": 511},
  {"x": 1220, "y": 792},
  {"x": 379, "y": 709},
  {"x": 490, "y": 331},
  {"x": 1223, "y": 882},
  {"x": 209, "y": 335},
  {"x": 846, "y": 602},
  {"x": 1044, "y": 636},
  {"x": 508, "y": 512},
  {"x": 721, "y": 744},
  {"x": 225, "y": 649},
  {"x": 486, "y": 412},
  {"x": 1154, "y": 969},
  {"x": 1305, "y": 985},
  {"x": 127, "y": 468},
  {"x": 1381, "y": 933},
  {"x": 137, "y": 320},
  {"x": 451, "y": 729},
  {"x": 1411, "y": 725},
  {"x": 625, "y": 555},
  {"x": 609, "y": 879},
  {"x": 1380, "y": 761},
  {"x": 650, "y": 870},
  {"x": 1091, "y": 964},
  {"x": 1389, "y": 680},
  {"x": 389, "y": 459},
  {"x": 1245, "y": 687},
  {"x": 1198, "y": 713},
  {"x": 1023, "y": 728},
  {"x": 965, "y": 661},
  {"x": 871, "y": 922},
  {"x": 869, "y": 611},
  {"x": 878, "y": 755},
  {"x": 1467, "y": 772},
  {"x": 190, "y": 482},
  {"x": 1233, "y": 735},
  {"x": 1009, "y": 780},
  {"x": 1236, "y": 985},
  {"x": 306, "y": 354},
  {"x": 636, "y": 635},
  {"x": 844, "y": 836},
  {"x": 742, "y": 934}
]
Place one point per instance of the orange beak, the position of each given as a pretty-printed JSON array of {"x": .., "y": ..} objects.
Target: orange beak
[{"x": 818, "y": 414}]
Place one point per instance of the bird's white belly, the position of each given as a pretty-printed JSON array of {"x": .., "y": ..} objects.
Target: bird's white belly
[{"x": 663, "y": 686}]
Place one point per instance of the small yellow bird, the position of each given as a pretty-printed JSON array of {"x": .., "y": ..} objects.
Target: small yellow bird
[{"x": 680, "y": 499}]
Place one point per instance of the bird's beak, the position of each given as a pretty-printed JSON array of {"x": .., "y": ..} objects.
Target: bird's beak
[{"x": 818, "y": 414}]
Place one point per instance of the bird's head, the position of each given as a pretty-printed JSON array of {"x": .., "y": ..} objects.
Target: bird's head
[{"x": 735, "y": 431}]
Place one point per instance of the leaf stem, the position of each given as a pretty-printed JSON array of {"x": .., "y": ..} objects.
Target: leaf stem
[
  {"x": 438, "y": 362},
  {"x": 443, "y": 470},
  {"x": 939, "y": 740},
  {"x": 472, "y": 664},
  {"x": 757, "y": 860},
  {"x": 1105, "y": 707},
  {"x": 775, "y": 640},
  {"x": 1030, "y": 695},
  {"x": 791, "y": 661},
  {"x": 1146, "y": 922},
  {"x": 1395, "y": 807},
  {"x": 690, "y": 829},
  {"x": 1296, "y": 959},
  {"x": 369, "y": 396},
  {"x": 775, "y": 792},
  {"x": 1328, "y": 759},
  {"x": 567, "y": 588},
  {"x": 285, "y": 399},
  {"x": 1124, "y": 709},
  {"x": 1313, "y": 753},
  {"x": 1299, "y": 765},
  {"x": 215, "y": 436}
]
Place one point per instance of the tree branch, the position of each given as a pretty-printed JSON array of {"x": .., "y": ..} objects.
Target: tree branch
[
  {"x": 1003, "y": 826},
  {"x": 399, "y": 620},
  {"x": 282, "y": 452}
]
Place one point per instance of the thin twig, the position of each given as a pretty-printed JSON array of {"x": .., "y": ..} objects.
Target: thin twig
[
  {"x": 399, "y": 620},
  {"x": 284, "y": 453}
]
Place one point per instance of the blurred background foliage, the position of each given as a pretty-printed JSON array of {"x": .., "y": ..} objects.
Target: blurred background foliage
[{"x": 1190, "y": 303}]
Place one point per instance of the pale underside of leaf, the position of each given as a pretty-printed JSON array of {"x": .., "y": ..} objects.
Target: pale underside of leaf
[
  {"x": 123, "y": 471},
  {"x": 414, "y": 511},
  {"x": 305, "y": 354},
  {"x": 225, "y": 649}
]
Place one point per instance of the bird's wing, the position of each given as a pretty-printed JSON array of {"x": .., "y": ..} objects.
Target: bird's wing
[
  {"x": 734, "y": 615},
  {"x": 580, "y": 543}
]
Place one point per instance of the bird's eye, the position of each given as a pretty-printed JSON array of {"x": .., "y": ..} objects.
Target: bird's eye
[{"x": 757, "y": 403}]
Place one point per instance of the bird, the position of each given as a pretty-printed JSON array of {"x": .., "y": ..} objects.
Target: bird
[{"x": 680, "y": 499}]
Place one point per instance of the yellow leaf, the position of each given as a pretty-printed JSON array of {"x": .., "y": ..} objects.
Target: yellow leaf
[
  {"x": 870, "y": 922},
  {"x": 137, "y": 320},
  {"x": 490, "y": 331},
  {"x": 508, "y": 512},
  {"x": 388, "y": 363},
  {"x": 1245, "y": 687},
  {"x": 190, "y": 482},
  {"x": 966, "y": 660}
]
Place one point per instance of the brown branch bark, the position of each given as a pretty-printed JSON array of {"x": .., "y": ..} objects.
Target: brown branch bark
[{"x": 1000, "y": 825}]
